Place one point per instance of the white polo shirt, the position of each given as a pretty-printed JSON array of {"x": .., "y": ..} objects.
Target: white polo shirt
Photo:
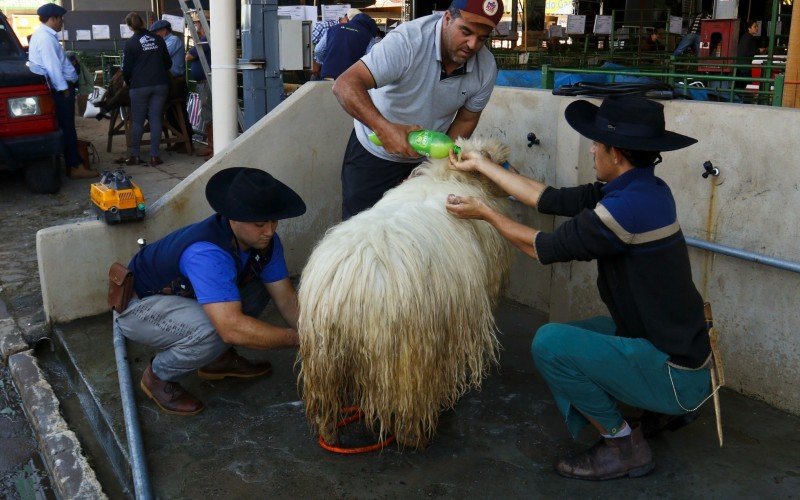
[{"x": 407, "y": 68}]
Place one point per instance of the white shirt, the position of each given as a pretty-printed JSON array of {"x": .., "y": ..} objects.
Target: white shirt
[{"x": 47, "y": 58}]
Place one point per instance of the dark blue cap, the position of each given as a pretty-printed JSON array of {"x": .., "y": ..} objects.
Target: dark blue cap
[
  {"x": 51, "y": 10},
  {"x": 160, "y": 25}
]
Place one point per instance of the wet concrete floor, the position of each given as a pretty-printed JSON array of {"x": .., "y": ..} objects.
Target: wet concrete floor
[
  {"x": 22, "y": 214},
  {"x": 252, "y": 438}
]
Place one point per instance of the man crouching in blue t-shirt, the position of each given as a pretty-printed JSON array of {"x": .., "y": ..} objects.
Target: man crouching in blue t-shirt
[{"x": 199, "y": 289}]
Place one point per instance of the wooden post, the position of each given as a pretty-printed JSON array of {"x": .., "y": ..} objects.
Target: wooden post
[{"x": 791, "y": 92}]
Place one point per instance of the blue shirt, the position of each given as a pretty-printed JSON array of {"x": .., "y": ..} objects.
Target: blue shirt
[
  {"x": 47, "y": 58},
  {"x": 175, "y": 49},
  {"x": 212, "y": 271},
  {"x": 195, "y": 66}
]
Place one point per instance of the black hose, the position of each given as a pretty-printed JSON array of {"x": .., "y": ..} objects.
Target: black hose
[{"x": 655, "y": 90}]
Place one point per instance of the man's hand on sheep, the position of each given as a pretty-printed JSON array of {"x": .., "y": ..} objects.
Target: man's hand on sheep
[
  {"x": 394, "y": 137},
  {"x": 467, "y": 207},
  {"x": 470, "y": 161}
]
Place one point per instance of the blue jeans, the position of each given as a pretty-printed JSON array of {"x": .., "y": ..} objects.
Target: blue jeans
[
  {"x": 588, "y": 369},
  {"x": 689, "y": 40},
  {"x": 147, "y": 102}
]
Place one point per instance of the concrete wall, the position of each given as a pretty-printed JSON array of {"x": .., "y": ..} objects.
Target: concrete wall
[
  {"x": 293, "y": 143},
  {"x": 752, "y": 205}
]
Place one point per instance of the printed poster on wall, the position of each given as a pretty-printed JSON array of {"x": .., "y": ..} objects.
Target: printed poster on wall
[
  {"x": 101, "y": 32},
  {"x": 83, "y": 35},
  {"x": 125, "y": 31},
  {"x": 675, "y": 25},
  {"x": 576, "y": 25},
  {"x": 175, "y": 22},
  {"x": 334, "y": 12},
  {"x": 295, "y": 12},
  {"x": 602, "y": 25}
]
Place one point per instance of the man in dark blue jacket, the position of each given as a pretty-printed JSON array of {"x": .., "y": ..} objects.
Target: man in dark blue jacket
[
  {"x": 346, "y": 44},
  {"x": 200, "y": 289}
]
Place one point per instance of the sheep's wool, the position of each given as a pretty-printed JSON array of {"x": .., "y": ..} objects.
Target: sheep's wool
[{"x": 396, "y": 305}]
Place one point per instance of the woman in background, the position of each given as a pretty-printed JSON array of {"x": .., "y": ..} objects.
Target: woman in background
[{"x": 145, "y": 67}]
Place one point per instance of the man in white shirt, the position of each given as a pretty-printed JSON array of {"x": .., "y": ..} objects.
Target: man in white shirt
[
  {"x": 46, "y": 57},
  {"x": 434, "y": 72}
]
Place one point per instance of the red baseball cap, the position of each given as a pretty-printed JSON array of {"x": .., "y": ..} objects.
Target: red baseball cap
[{"x": 486, "y": 12}]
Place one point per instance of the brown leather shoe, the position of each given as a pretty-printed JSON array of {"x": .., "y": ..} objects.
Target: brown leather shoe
[
  {"x": 81, "y": 172},
  {"x": 133, "y": 160},
  {"x": 155, "y": 160},
  {"x": 230, "y": 364},
  {"x": 171, "y": 397},
  {"x": 611, "y": 458}
]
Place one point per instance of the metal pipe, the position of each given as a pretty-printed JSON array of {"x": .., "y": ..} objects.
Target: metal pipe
[
  {"x": 744, "y": 255},
  {"x": 141, "y": 478},
  {"x": 224, "y": 103}
]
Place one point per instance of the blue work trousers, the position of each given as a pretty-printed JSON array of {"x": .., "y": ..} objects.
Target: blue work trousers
[
  {"x": 65, "y": 116},
  {"x": 589, "y": 369}
]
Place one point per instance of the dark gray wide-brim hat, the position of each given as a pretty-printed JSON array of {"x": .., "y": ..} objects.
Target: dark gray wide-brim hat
[
  {"x": 625, "y": 122},
  {"x": 252, "y": 195}
]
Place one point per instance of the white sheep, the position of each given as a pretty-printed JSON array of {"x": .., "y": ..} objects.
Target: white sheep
[{"x": 396, "y": 305}]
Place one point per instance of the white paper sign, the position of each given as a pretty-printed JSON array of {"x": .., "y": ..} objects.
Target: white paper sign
[
  {"x": 83, "y": 35},
  {"x": 556, "y": 31},
  {"x": 294, "y": 12},
  {"x": 602, "y": 25},
  {"x": 576, "y": 25},
  {"x": 176, "y": 22},
  {"x": 675, "y": 25},
  {"x": 125, "y": 31},
  {"x": 101, "y": 32},
  {"x": 334, "y": 12},
  {"x": 63, "y": 35}
]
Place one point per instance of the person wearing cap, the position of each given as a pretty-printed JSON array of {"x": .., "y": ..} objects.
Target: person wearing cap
[
  {"x": 145, "y": 68},
  {"x": 200, "y": 289},
  {"x": 46, "y": 57},
  {"x": 346, "y": 43},
  {"x": 319, "y": 41},
  {"x": 434, "y": 72},
  {"x": 653, "y": 351},
  {"x": 177, "y": 71}
]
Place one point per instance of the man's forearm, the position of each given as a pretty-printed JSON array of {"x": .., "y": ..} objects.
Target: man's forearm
[
  {"x": 256, "y": 334},
  {"x": 354, "y": 98},
  {"x": 524, "y": 189},
  {"x": 520, "y": 235}
]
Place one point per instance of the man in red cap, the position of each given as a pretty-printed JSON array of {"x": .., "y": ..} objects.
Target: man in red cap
[{"x": 434, "y": 72}]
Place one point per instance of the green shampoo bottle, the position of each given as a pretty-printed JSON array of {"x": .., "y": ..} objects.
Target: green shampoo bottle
[{"x": 430, "y": 143}]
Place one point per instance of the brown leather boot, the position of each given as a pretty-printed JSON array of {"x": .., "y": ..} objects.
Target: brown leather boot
[
  {"x": 81, "y": 172},
  {"x": 171, "y": 397},
  {"x": 230, "y": 364},
  {"x": 611, "y": 458}
]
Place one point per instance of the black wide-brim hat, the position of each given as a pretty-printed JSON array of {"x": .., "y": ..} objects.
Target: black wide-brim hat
[
  {"x": 625, "y": 122},
  {"x": 251, "y": 195}
]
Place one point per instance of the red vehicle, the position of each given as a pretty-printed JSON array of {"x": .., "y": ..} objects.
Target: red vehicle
[{"x": 29, "y": 134}]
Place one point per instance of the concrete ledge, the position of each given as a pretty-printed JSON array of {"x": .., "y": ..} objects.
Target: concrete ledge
[
  {"x": 70, "y": 473},
  {"x": 11, "y": 341}
]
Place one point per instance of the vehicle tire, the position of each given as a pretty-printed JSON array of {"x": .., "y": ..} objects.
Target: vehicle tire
[{"x": 44, "y": 176}]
